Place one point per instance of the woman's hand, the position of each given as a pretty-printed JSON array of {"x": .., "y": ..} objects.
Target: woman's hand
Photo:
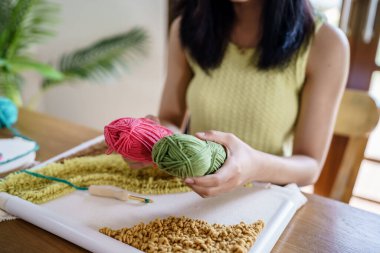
[{"x": 238, "y": 169}]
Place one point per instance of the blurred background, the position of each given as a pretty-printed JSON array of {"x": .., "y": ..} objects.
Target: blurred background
[
  {"x": 360, "y": 20},
  {"x": 106, "y": 91},
  {"x": 132, "y": 92}
]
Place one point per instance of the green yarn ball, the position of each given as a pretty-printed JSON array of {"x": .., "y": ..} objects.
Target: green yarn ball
[{"x": 183, "y": 155}]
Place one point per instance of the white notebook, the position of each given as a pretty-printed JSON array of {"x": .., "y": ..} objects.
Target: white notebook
[{"x": 16, "y": 153}]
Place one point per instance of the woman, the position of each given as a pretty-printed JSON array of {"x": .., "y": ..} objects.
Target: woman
[{"x": 255, "y": 76}]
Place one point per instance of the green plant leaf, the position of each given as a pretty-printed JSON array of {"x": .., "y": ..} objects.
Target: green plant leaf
[
  {"x": 27, "y": 22},
  {"x": 3, "y": 63},
  {"x": 5, "y": 13},
  {"x": 5, "y": 18},
  {"x": 10, "y": 87},
  {"x": 21, "y": 64},
  {"x": 103, "y": 58}
]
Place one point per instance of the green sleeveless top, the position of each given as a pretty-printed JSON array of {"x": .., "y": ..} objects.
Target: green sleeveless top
[{"x": 259, "y": 107}]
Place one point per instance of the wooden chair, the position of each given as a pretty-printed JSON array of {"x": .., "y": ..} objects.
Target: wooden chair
[{"x": 357, "y": 117}]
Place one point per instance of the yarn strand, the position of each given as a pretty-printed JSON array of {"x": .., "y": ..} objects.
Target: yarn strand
[{"x": 35, "y": 174}]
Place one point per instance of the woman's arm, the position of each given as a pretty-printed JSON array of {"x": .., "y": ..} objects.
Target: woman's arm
[
  {"x": 327, "y": 72},
  {"x": 173, "y": 102}
]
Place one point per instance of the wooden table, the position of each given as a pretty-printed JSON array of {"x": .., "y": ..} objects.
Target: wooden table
[{"x": 322, "y": 225}]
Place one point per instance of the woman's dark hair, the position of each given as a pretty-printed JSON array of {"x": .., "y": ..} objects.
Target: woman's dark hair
[{"x": 206, "y": 27}]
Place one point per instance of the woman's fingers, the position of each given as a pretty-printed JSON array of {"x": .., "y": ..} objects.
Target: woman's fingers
[
  {"x": 222, "y": 176},
  {"x": 224, "y": 179},
  {"x": 226, "y": 139},
  {"x": 205, "y": 181},
  {"x": 205, "y": 192}
]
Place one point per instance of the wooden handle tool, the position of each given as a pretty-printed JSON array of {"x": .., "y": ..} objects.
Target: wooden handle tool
[{"x": 110, "y": 191}]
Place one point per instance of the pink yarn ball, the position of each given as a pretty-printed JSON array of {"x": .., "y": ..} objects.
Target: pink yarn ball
[{"x": 134, "y": 138}]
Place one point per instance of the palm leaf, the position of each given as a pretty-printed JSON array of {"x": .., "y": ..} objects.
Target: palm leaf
[
  {"x": 20, "y": 64},
  {"x": 27, "y": 23},
  {"x": 103, "y": 58},
  {"x": 5, "y": 13},
  {"x": 10, "y": 86},
  {"x": 6, "y": 7}
]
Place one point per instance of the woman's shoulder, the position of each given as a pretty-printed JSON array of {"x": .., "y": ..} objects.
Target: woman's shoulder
[
  {"x": 176, "y": 23},
  {"x": 328, "y": 41},
  {"x": 175, "y": 45},
  {"x": 175, "y": 35}
]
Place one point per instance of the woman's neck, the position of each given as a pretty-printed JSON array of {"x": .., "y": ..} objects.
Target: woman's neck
[
  {"x": 247, "y": 29},
  {"x": 249, "y": 12}
]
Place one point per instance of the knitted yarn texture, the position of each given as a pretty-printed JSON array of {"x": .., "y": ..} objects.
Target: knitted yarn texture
[
  {"x": 86, "y": 171},
  {"x": 184, "y": 155}
]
